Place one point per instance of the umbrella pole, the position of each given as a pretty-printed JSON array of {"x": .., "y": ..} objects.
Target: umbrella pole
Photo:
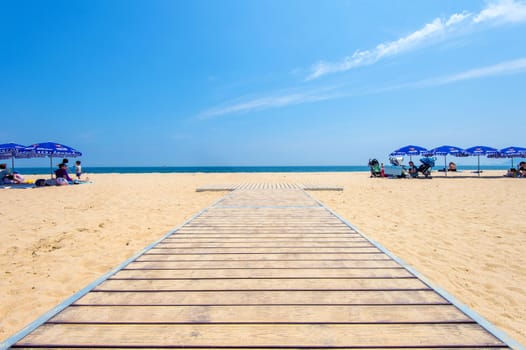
[
  {"x": 478, "y": 164},
  {"x": 445, "y": 165},
  {"x": 13, "y": 163},
  {"x": 51, "y": 166}
]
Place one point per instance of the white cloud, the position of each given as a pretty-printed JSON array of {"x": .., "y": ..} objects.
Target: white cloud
[
  {"x": 366, "y": 57},
  {"x": 333, "y": 92},
  {"x": 279, "y": 100},
  {"x": 503, "y": 68},
  {"x": 457, "y": 18},
  {"x": 502, "y": 11}
]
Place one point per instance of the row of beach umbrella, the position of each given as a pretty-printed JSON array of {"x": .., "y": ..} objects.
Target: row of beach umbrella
[
  {"x": 445, "y": 150},
  {"x": 37, "y": 150}
]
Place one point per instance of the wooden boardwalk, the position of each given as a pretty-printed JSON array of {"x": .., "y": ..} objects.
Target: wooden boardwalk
[
  {"x": 268, "y": 186},
  {"x": 263, "y": 268}
]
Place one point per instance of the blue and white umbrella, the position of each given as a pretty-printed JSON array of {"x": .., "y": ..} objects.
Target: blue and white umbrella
[
  {"x": 511, "y": 152},
  {"x": 9, "y": 150},
  {"x": 480, "y": 151},
  {"x": 446, "y": 150},
  {"x": 409, "y": 150},
  {"x": 51, "y": 150}
]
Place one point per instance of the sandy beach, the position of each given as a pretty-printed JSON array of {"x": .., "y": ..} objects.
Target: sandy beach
[{"x": 466, "y": 235}]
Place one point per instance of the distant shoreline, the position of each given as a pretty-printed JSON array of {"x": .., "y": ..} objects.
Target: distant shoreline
[{"x": 235, "y": 169}]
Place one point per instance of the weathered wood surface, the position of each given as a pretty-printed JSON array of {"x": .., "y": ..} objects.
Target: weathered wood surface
[
  {"x": 264, "y": 314},
  {"x": 271, "y": 336},
  {"x": 266, "y": 268}
]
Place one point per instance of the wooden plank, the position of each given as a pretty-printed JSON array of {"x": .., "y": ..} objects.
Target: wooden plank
[
  {"x": 267, "y": 222},
  {"x": 357, "y": 247},
  {"x": 287, "y": 218},
  {"x": 271, "y": 223},
  {"x": 270, "y": 230},
  {"x": 265, "y": 245},
  {"x": 264, "y": 273},
  {"x": 259, "y": 348},
  {"x": 247, "y": 237},
  {"x": 262, "y": 298},
  {"x": 287, "y": 213},
  {"x": 262, "y": 335},
  {"x": 279, "y": 218},
  {"x": 175, "y": 255},
  {"x": 274, "y": 250},
  {"x": 263, "y": 314},
  {"x": 284, "y": 214},
  {"x": 194, "y": 265},
  {"x": 179, "y": 237},
  {"x": 264, "y": 284}
]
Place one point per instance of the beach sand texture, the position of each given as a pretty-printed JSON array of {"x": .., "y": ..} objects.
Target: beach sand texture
[{"x": 466, "y": 235}]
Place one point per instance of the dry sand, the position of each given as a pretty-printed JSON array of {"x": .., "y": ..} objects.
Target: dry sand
[{"x": 466, "y": 235}]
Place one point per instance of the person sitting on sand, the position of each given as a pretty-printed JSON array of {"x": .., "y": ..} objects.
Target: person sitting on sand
[
  {"x": 62, "y": 175},
  {"x": 522, "y": 169},
  {"x": 3, "y": 171},
  {"x": 413, "y": 170},
  {"x": 8, "y": 178},
  {"x": 512, "y": 172},
  {"x": 452, "y": 167}
]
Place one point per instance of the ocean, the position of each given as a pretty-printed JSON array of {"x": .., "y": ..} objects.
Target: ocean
[{"x": 232, "y": 169}]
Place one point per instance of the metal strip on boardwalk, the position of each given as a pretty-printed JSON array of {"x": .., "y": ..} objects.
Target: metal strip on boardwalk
[{"x": 265, "y": 267}]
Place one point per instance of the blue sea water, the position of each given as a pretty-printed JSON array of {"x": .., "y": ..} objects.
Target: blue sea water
[{"x": 231, "y": 169}]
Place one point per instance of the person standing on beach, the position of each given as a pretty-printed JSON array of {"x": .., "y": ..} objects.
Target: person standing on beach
[{"x": 78, "y": 169}]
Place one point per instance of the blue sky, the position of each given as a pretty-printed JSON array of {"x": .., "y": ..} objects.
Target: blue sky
[{"x": 261, "y": 82}]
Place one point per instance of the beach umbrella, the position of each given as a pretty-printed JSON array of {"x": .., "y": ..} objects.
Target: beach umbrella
[
  {"x": 409, "y": 150},
  {"x": 511, "y": 152},
  {"x": 51, "y": 150},
  {"x": 480, "y": 151},
  {"x": 445, "y": 150},
  {"x": 9, "y": 150}
]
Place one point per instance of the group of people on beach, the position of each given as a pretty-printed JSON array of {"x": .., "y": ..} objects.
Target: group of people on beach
[
  {"x": 9, "y": 177},
  {"x": 520, "y": 171},
  {"x": 62, "y": 176},
  {"x": 411, "y": 170}
]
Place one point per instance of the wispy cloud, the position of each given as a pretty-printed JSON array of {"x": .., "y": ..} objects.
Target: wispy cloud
[
  {"x": 503, "y": 68},
  {"x": 367, "y": 57},
  {"x": 279, "y": 99},
  {"x": 282, "y": 99},
  {"x": 503, "y": 11}
]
